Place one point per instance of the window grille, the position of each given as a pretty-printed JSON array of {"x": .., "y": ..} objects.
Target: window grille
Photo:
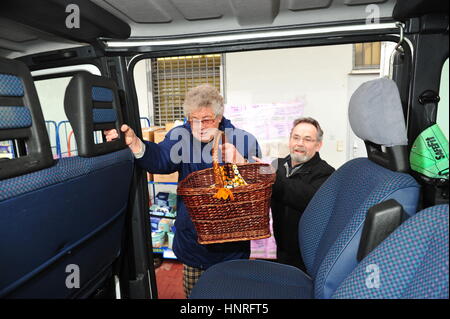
[
  {"x": 172, "y": 77},
  {"x": 366, "y": 55}
]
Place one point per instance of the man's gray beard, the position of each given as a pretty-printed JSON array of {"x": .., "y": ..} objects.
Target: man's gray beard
[{"x": 300, "y": 158}]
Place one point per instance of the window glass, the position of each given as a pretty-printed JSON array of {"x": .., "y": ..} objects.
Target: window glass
[
  {"x": 265, "y": 90},
  {"x": 51, "y": 94},
  {"x": 442, "y": 113},
  {"x": 6, "y": 149}
]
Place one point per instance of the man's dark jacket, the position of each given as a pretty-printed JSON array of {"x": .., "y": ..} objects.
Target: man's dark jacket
[{"x": 290, "y": 196}]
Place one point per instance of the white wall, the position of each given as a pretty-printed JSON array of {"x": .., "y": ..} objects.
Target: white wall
[
  {"x": 442, "y": 114},
  {"x": 144, "y": 89},
  {"x": 318, "y": 75}
]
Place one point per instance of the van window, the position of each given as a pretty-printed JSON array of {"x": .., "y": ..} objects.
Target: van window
[
  {"x": 7, "y": 149},
  {"x": 442, "y": 112},
  {"x": 266, "y": 90},
  {"x": 51, "y": 93},
  {"x": 51, "y": 96}
]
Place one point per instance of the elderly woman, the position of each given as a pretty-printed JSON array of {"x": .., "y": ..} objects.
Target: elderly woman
[{"x": 186, "y": 149}]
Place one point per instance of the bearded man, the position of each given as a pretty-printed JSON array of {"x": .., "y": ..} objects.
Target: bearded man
[{"x": 299, "y": 176}]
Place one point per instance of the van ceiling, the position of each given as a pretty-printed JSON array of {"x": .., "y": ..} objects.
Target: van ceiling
[
  {"x": 165, "y": 18},
  {"x": 29, "y": 27},
  {"x": 17, "y": 39}
]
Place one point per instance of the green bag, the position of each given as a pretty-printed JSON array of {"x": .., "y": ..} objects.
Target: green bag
[{"x": 429, "y": 153}]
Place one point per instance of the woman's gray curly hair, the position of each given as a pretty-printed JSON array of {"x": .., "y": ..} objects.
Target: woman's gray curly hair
[{"x": 204, "y": 95}]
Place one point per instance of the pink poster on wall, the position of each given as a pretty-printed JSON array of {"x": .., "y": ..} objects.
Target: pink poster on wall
[
  {"x": 264, "y": 248},
  {"x": 265, "y": 121}
]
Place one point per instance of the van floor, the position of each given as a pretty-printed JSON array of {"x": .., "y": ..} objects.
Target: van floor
[{"x": 169, "y": 280}]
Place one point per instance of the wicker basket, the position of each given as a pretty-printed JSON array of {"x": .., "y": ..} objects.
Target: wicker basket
[{"x": 218, "y": 220}]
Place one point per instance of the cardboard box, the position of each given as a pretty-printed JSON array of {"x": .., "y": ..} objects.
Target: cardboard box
[
  {"x": 159, "y": 135},
  {"x": 166, "y": 178},
  {"x": 169, "y": 126},
  {"x": 148, "y": 133}
]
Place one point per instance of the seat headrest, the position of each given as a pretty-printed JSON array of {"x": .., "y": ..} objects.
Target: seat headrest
[
  {"x": 92, "y": 104},
  {"x": 376, "y": 116},
  {"x": 22, "y": 124}
]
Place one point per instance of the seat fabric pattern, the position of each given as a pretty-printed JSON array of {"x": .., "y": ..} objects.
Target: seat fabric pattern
[
  {"x": 411, "y": 263},
  {"x": 331, "y": 226},
  {"x": 253, "y": 279},
  {"x": 70, "y": 214},
  {"x": 64, "y": 170}
]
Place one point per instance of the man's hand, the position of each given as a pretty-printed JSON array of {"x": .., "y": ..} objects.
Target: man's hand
[
  {"x": 231, "y": 154},
  {"x": 258, "y": 160},
  {"x": 270, "y": 170},
  {"x": 133, "y": 142}
]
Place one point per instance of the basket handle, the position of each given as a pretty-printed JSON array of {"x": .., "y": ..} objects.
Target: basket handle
[
  {"x": 222, "y": 192},
  {"x": 215, "y": 158},
  {"x": 215, "y": 150}
]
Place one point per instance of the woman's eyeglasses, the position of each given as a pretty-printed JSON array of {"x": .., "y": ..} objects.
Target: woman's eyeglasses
[{"x": 204, "y": 122}]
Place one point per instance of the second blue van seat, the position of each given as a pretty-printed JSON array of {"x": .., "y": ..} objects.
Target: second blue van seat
[{"x": 58, "y": 226}]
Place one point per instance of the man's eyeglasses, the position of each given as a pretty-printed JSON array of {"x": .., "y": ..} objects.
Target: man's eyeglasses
[
  {"x": 204, "y": 122},
  {"x": 306, "y": 140}
]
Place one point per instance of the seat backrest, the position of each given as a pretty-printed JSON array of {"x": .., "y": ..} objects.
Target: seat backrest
[
  {"x": 331, "y": 226},
  {"x": 21, "y": 122},
  {"x": 412, "y": 263},
  {"x": 92, "y": 104},
  {"x": 61, "y": 227}
]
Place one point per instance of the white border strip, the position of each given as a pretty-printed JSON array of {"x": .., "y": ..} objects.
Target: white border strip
[
  {"x": 248, "y": 36},
  {"x": 67, "y": 69}
]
